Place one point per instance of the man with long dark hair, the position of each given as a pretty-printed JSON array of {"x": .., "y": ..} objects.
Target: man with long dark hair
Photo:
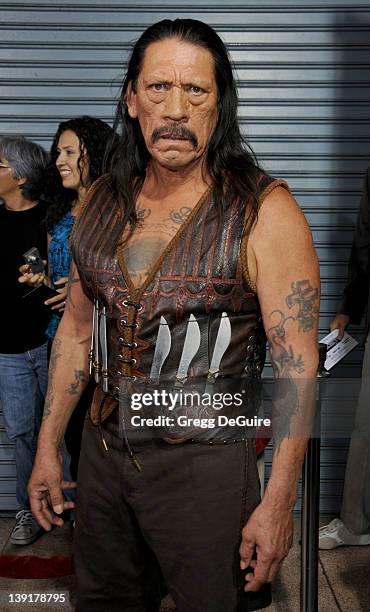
[{"x": 189, "y": 253}]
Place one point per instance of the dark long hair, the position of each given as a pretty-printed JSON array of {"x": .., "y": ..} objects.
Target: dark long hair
[
  {"x": 94, "y": 136},
  {"x": 230, "y": 162}
]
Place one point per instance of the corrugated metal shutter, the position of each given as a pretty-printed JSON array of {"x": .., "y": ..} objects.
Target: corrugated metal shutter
[{"x": 303, "y": 70}]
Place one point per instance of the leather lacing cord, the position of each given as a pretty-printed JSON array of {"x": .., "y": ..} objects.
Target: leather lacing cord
[
  {"x": 105, "y": 446},
  {"x": 128, "y": 303},
  {"x": 130, "y": 325},
  {"x": 128, "y": 361},
  {"x": 131, "y": 345},
  {"x": 128, "y": 446},
  {"x": 126, "y": 441}
]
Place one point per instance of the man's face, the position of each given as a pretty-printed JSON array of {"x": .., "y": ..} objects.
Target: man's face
[
  {"x": 8, "y": 184},
  {"x": 175, "y": 102}
]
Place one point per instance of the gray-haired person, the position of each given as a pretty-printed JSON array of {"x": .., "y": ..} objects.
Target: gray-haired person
[{"x": 23, "y": 345}]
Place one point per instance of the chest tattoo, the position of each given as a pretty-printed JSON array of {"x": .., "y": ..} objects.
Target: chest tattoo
[
  {"x": 150, "y": 239},
  {"x": 179, "y": 216},
  {"x": 143, "y": 213},
  {"x": 145, "y": 247}
]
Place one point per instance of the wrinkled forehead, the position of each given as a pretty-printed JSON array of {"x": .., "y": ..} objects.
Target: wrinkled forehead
[{"x": 174, "y": 55}]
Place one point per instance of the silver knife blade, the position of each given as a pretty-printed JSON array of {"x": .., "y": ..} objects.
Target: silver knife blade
[
  {"x": 222, "y": 342},
  {"x": 104, "y": 348},
  {"x": 97, "y": 364},
  {"x": 162, "y": 348},
  {"x": 92, "y": 342},
  {"x": 190, "y": 348}
]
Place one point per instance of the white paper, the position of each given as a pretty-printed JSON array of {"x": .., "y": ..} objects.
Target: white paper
[{"x": 337, "y": 349}]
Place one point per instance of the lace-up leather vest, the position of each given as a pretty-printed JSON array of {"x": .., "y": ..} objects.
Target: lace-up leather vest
[{"x": 200, "y": 275}]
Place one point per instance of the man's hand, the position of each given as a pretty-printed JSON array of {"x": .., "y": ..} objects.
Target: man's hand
[
  {"x": 268, "y": 535},
  {"x": 45, "y": 490},
  {"x": 30, "y": 278},
  {"x": 340, "y": 323}
]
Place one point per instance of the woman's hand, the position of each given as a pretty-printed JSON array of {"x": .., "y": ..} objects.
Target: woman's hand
[
  {"x": 31, "y": 279},
  {"x": 58, "y": 302}
]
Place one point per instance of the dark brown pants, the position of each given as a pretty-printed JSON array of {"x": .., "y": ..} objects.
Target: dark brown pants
[{"x": 181, "y": 516}]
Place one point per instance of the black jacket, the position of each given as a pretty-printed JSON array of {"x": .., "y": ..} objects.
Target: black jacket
[{"x": 356, "y": 294}]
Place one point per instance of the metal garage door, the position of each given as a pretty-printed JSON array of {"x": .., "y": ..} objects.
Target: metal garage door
[{"x": 303, "y": 70}]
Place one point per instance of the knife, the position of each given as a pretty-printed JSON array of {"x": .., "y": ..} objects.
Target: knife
[
  {"x": 97, "y": 364},
  {"x": 162, "y": 348},
  {"x": 104, "y": 348},
  {"x": 190, "y": 349},
  {"x": 92, "y": 350},
  {"x": 222, "y": 342}
]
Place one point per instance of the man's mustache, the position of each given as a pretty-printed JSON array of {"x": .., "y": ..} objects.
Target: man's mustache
[{"x": 174, "y": 131}]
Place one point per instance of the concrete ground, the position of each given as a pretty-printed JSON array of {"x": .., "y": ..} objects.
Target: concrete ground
[{"x": 344, "y": 576}]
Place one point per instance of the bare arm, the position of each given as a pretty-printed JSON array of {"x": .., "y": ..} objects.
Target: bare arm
[
  {"x": 287, "y": 279},
  {"x": 68, "y": 375},
  {"x": 68, "y": 369}
]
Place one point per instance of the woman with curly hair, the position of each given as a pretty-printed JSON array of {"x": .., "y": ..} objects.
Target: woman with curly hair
[{"x": 77, "y": 160}]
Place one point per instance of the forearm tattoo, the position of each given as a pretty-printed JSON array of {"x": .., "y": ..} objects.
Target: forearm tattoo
[
  {"x": 284, "y": 359},
  {"x": 80, "y": 378},
  {"x": 54, "y": 356},
  {"x": 282, "y": 356}
]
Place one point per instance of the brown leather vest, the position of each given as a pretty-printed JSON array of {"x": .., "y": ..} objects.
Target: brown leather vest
[{"x": 201, "y": 273}]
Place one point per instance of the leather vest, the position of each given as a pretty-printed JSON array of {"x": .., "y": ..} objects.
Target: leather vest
[{"x": 200, "y": 278}]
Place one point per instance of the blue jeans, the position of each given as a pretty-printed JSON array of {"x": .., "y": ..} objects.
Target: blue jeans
[{"x": 23, "y": 384}]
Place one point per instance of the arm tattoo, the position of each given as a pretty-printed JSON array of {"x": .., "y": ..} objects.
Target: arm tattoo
[
  {"x": 55, "y": 354},
  {"x": 282, "y": 356},
  {"x": 80, "y": 377},
  {"x": 73, "y": 279},
  {"x": 285, "y": 392},
  {"x": 283, "y": 359},
  {"x": 306, "y": 297},
  {"x": 179, "y": 216}
]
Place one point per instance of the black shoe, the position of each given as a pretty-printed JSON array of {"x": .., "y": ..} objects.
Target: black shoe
[{"x": 26, "y": 529}]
